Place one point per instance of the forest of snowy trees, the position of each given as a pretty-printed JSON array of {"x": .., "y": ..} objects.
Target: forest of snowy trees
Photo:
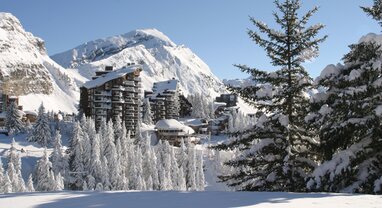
[
  {"x": 107, "y": 159},
  {"x": 330, "y": 141}
]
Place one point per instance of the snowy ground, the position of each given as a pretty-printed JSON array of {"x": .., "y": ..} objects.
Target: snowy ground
[{"x": 186, "y": 199}]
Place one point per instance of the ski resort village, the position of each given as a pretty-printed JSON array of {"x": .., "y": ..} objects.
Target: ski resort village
[{"x": 135, "y": 120}]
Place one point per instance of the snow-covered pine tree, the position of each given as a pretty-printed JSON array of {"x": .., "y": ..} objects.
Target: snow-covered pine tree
[
  {"x": 124, "y": 154},
  {"x": 201, "y": 107},
  {"x": 13, "y": 177},
  {"x": 7, "y": 185},
  {"x": 29, "y": 185},
  {"x": 191, "y": 167},
  {"x": 96, "y": 168},
  {"x": 375, "y": 11},
  {"x": 149, "y": 170},
  {"x": 102, "y": 131},
  {"x": 200, "y": 180},
  {"x": 174, "y": 170},
  {"x": 350, "y": 115},
  {"x": 141, "y": 183},
  {"x": 14, "y": 169},
  {"x": 181, "y": 180},
  {"x": 91, "y": 182},
  {"x": 58, "y": 158},
  {"x": 183, "y": 158},
  {"x": 44, "y": 175},
  {"x": 106, "y": 185},
  {"x": 276, "y": 153},
  {"x": 13, "y": 157},
  {"x": 147, "y": 117},
  {"x": 111, "y": 155},
  {"x": 166, "y": 162},
  {"x": 59, "y": 182},
  {"x": 2, "y": 179},
  {"x": 41, "y": 132},
  {"x": 13, "y": 121},
  {"x": 87, "y": 148},
  {"x": 76, "y": 161}
]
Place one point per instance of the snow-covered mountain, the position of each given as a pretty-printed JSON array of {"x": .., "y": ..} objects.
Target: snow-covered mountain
[
  {"x": 239, "y": 82},
  {"x": 27, "y": 71},
  {"x": 161, "y": 59}
]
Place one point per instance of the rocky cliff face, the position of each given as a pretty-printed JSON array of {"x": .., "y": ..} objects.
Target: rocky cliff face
[{"x": 27, "y": 71}]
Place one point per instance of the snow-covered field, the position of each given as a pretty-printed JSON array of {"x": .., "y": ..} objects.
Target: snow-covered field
[{"x": 188, "y": 199}]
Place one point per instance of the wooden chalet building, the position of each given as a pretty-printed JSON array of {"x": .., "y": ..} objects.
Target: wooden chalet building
[
  {"x": 113, "y": 93},
  {"x": 173, "y": 131}
]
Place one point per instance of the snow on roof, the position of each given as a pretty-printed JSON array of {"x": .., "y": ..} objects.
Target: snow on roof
[
  {"x": 110, "y": 76},
  {"x": 31, "y": 112},
  {"x": 218, "y": 104},
  {"x": 172, "y": 124},
  {"x": 194, "y": 122},
  {"x": 169, "y": 85}
]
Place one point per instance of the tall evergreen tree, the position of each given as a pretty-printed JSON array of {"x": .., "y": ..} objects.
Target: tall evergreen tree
[
  {"x": 276, "y": 153},
  {"x": 349, "y": 113},
  {"x": 58, "y": 159},
  {"x": 96, "y": 168},
  {"x": 375, "y": 11},
  {"x": 7, "y": 185},
  {"x": 147, "y": 117},
  {"x": 29, "y": 185},
  {"x": 14, "y": 169},
  {"x": 13, "y": 121},
  {"x": 44, "y": 175},
  {"x": 41, "y": 132},
  {"x": 191, "y": 167},
  {"x": 76, "y": 160},
  {"x": 2, "y": 177}
]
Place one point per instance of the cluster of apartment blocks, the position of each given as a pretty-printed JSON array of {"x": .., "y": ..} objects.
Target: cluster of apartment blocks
[
  {"x": 112, "y": 93},
  {"x": 117, "y": 93}
]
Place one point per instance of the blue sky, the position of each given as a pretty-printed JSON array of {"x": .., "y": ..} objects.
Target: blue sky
[{"x": 214, "y": 29}]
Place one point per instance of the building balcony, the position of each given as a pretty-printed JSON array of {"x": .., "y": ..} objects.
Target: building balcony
[
  {"x": 129, "y": 83},
  {"x": 118, "y": 108},
  {"x": 129, "y": 101},
  {"x": 130, "y": 89},
  {"x": 102, "y": 93},
  {"x": 117, "y": 94},
  {"x": 100, "y": 113},
  {"x": 101, "y": 100},
  {"x": 102, "y": 106},
  {"x": 118, "y": 88},
  {"x": 117, "y": 100}
]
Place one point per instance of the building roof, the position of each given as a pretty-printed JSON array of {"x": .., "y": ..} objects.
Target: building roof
[
  {"x": 172, "y": 124},
  {"x": 110, "y": 76},
  {"x": 169, "y": 85},
  {"x": 216, "y": 105},
  {"x": 194, "y": 122}
]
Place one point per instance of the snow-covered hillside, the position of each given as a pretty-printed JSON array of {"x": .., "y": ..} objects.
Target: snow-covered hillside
[
  {"x": 27, "y": 70},
  {"x": 170, "y": 199},
  {"x": 161, "y": 59}
]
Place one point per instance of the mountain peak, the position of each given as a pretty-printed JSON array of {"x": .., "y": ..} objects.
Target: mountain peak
[{"x": 105, "y": 47}]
